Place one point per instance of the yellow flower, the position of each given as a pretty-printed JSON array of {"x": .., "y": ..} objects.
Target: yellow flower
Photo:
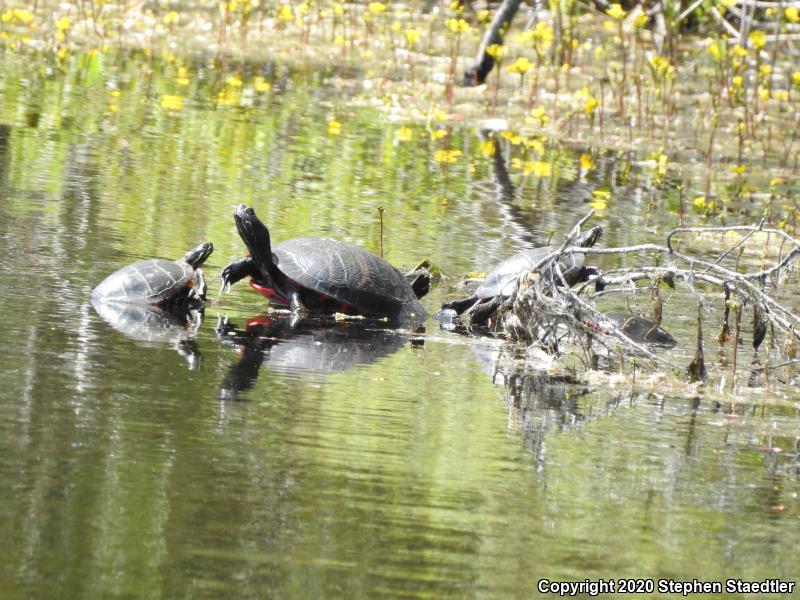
[
  {"x": 537, "y": 112},
  {"x": 334, "y": 127},
  {"x": 758, "y": 38},
  {"x": 591, "y": 105},
  {"x": 437, "y": 134},
  {"x": 586, "y": 162},
  {"x": 765, "y": 70},
  {"x": 796, "y": 78},
  {"x": 699, "y": 202},
  {"x": 228, "y": 97},
  {"x": 615, "y": 12},
  {"x": 172, "y": 102},
  {"x": 113, "y": 107},
  {"x": 536, "y": 167},
  {"x": 792, "y": 14},
  {"x": 543, "y": 35},
  {"x": 338, "y": 9},
  {"x": 446, "y": 156},
  {"x": 715, "y": 51},
  {"x": 487, "y": 147},
  {"x": 737, "y": 81},
  {"x": 763, "y": 94},
  {"x": 170, "y": 18},
  {"x": 261, "y": 85},
  {"x": 535, "y": 145},
  {"x": 483, "y": 16},
  {"x": 23, "y": 15},
  {"x": 233, "y": 81},
  {"x": 183, "y": 76},
  {"x": 458, "y": 25},
  {"x": 738, "y": 169},
  {"x": 600, "y": 199},
  {"x": 521, "y": 66},
  {"x": 781, "y": 95},
  {"x": 377, "y": 7},
  {"x": 640, "y": 21},
  {"x": 412, "y": 35},
  {"x": 438, "y": 115},
  {"x": 739, "y": 51},
  {"x": 404, "y": 134},
  {"x": 512, "y": 137},
  {"x": 728, "y": 3},
  {"x": 496, "y": 51},
  {"x": 285, "y": 13},
  {"x": 339, "y": 40},
  {"x": 63, "y": 24}
]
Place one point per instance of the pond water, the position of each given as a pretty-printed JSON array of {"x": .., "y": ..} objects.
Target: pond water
[{"x": 331, "y": 460}]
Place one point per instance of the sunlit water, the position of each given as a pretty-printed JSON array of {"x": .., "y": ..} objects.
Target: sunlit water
[{"x": 344, "y": 460}]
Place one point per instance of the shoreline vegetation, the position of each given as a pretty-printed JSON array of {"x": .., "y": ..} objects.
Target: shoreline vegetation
[{"x": 716, "y": 108}]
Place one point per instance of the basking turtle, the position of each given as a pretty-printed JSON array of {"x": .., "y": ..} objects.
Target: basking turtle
[
  {"x": 321, "y": 275},
  {"x": 499, "y": 283},
  {"x": 158, "y": 281},
  {"x": 642, "y": 330}
]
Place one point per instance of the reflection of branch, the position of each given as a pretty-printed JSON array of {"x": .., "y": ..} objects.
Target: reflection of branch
[{"x": 505, "y": 188}]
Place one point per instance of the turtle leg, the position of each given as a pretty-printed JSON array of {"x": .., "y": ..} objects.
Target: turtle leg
[
  {"x": 199, "y": 289},
  {"x": 236, "y": 270},
  {"x": 296, "y": 304},
  {"x": 420, "y": 281},
  {"x": 461, "y": 305},
  {"x": 481, "y": 313},
  {"x": 587, "y": 273}
]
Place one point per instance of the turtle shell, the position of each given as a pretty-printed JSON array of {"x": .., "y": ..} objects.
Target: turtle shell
[
  {"x": 501, "y": 279},
  {"x": 353, "y": 277},
  {"x": 642, "y": 330},
  {"x": 151, "y": 281}
]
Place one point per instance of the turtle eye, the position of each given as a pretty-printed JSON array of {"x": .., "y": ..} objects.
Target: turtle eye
[{"x": 250, "y": 212}]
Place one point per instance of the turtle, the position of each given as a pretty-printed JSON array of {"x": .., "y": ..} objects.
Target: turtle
[
  {"x": 321, "y": 275},
  {"x": 158, "y": 281},
  {"x": 499, "y": 283},
  {"x": 642, "y": 330}
]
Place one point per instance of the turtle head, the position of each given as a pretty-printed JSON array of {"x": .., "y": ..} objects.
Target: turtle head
[
  {"x": 197, "y": 256},
  {"x": 255, "y": 236},
  {"x": 589, "y": 239}
]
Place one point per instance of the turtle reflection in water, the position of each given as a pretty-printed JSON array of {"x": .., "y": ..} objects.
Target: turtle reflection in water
[
  {"x": 157, "y": 300},
  {"x": 302, "y": 347},
  {"x": 156, "y": 324}
]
